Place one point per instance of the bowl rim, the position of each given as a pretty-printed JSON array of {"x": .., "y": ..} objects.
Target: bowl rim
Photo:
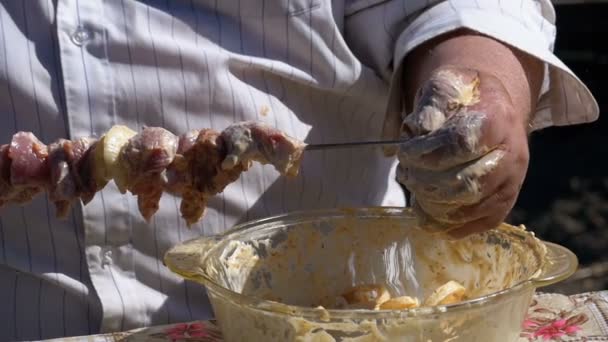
[{"x": 278, "y": 308}]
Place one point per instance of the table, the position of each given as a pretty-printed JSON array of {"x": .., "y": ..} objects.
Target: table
[{"x": 551, "y": 317}]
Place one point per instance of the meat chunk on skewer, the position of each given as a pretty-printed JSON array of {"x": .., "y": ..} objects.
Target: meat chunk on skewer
[
  {"x": 8, "y": 192},
  {"x": 81, "y": 156},
  {"x": 196, "y": 173},
  {"x": 205, "y": 159},
  {"x": 24, "y": 169},
  {"x": 196, "y": 166},
  {"x": 63, "y": 189},
  {"x": 254, "y": 141},
  {"x": 28, "y": 160},
  {"x": 144, "y": 160},
  {"x": 179, "y": 177}
]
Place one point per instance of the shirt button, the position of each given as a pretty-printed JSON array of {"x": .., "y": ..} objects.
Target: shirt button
[
  {"x": 81, "y": 35},
  {"x": 106, "y": 258}
]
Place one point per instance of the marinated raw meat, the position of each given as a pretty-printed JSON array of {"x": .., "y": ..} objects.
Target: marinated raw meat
[
  {"x": 145, "y": 159},
  {"x": 62, "y": 187},
  {"x": 83, "y": 165},
  {"x": 253, "y": 141},
  {"x": 28, "y": 160},
  {"x": 197, "y": 173},
  {"x": 196, "y": 166}
]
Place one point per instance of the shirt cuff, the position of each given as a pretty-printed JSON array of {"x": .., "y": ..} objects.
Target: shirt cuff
[{"x": 564, "y": 100}]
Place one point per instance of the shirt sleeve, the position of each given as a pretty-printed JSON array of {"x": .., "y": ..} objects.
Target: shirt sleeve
[{"x": 528, "y": 25}]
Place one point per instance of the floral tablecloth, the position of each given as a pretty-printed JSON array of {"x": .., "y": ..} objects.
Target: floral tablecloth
[{"x": 551, "y": 317}]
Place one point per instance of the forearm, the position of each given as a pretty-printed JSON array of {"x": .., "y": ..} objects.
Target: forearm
[{"x": 519, "y": 73}]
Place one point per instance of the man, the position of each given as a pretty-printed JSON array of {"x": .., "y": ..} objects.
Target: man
[{"x": 476, "y": 77}]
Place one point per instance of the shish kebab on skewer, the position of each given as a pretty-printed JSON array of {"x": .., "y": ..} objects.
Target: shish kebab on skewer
[{"x": 194, "y": 166}]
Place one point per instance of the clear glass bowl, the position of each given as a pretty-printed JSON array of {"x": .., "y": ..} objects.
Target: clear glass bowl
[{"x": 267, "y": 278}]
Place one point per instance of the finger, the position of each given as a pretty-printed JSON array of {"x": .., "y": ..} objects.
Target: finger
[
  {"x": 449, "y": 90},
  {"x": 477, "y": 226},
  {"x": 457, "y": 213},
  {"x": 422, "y": 121},
  {"x": 490, "y": 212},
  {"x": 499, "y": 201},
  {"x": 462, "y": 185},
  {"x": 435, "y": 111},
  {"x": 445, "y": 94},
  {"x": 427, "y": 222},
  {"x": 455, "y": 143},
  {"x": 473, "y": 174}
]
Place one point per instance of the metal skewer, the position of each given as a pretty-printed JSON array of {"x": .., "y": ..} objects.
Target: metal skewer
[{"x": 313, "y": 147}]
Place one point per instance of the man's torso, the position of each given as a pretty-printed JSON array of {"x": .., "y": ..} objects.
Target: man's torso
[{"x": 75, "y": 68}]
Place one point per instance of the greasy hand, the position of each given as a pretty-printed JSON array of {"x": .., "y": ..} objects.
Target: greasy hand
[{"x": 467, "y": 153}]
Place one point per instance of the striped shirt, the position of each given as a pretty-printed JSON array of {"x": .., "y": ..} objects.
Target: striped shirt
[{"x": 322, "y": 71}]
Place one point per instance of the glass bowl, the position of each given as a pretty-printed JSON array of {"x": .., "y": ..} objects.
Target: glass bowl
[{"x": 268, "y": 279}]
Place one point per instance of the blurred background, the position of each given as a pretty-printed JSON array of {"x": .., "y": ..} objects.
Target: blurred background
[{"x": 565, "y": 196}]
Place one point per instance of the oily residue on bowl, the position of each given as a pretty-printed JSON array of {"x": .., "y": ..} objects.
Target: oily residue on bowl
[
  {"x": 301, "y": 265},
  {"x": 267, "y": 280},
  {"x": 306, "y": 263}
]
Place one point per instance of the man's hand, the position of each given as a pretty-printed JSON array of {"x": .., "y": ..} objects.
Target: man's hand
[{"x": 467, "y": 153}]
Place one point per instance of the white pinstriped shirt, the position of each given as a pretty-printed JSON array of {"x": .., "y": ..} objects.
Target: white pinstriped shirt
[{"x": 320, "y": 70}]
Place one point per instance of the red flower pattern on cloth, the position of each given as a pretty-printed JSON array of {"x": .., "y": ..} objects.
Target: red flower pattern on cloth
[
  {"x": 186, "y": 332},
  {"x": 553, "y": 330},
  {"x": 197, "y": 331},
  {"x": 552, "y": 325}
]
